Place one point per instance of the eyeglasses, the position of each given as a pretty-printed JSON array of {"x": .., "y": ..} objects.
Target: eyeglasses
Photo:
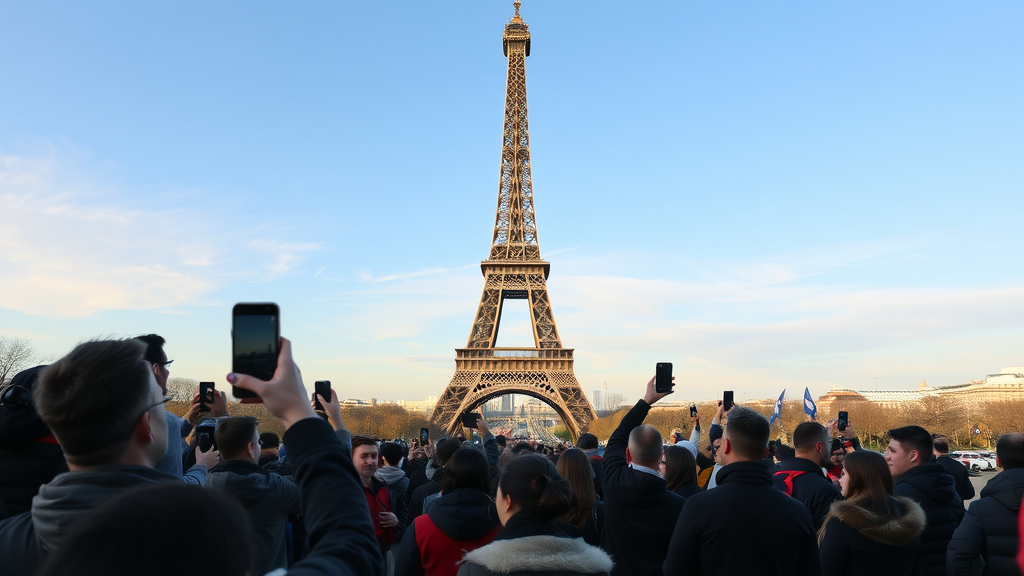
[
  {"x": 15, "y": 396},
  {"x": 155, "y": 404},
  {"x": 663, "y": 462}
]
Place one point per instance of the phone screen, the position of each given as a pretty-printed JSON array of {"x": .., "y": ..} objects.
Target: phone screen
[
  {"x": 727, "y": 400},
  {"x": 256, "y": 340},
  {"x": 663, "y": 377},
  {"x": 424, "y": 436},
  {"x": 205, "y": 395},
  {"x": 323, "y": 388},
  {"x": 693, "y": 411},
  {"x": 844, "y": 419}
]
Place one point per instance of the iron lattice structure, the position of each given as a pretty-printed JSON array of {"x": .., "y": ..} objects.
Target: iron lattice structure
[{"x": 514, "y": 270}]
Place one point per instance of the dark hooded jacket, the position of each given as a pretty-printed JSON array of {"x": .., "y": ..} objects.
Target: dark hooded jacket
[
  {"x": 934, "y": 489},
  {"x": 268, "y": 498},
  {"x": 640, "y": 513},
  {"x": 862, "y": 540},
  {"x": 809, "y": 486},
  {"x": 960, "y": 476},
  {"x": 27, "y": 538},
  {"x": 744, "y": 526},
  {"x": 989, "y": 529},
  {"x": 29, "y": 454},
  {"x": 456, "y": 523}
]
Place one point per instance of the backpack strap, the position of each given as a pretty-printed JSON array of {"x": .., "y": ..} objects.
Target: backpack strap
[{"x": 787, "y": 477}]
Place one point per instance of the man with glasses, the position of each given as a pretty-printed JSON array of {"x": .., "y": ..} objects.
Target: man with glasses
[
  {"x": 171, "y": 463},
  {"x": 267, "y": 497},
  {"x": 104, "y": 406}
]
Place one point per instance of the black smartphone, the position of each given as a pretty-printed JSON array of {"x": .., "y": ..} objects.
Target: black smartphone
[
  {"x": 837, "y": 444},
  {"x": 256, "y": 341},
  {"x": 469, "y": 420},
  {"x": 424, "y": 436},
  {"x": 207, "y": 434},
  {"x": 844, "y": 420},
  {"x": 727, "y": 400},
  {"x": 323, "y": 388},
  {"x": 206, "y": 395},
  {"x": 663, "y": 377},
  {"x": 693, "y": 411}
]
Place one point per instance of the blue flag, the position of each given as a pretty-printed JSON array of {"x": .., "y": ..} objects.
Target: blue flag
[
  {"x": 778, "y": 409},
  {"x": 809, "y": 406}
]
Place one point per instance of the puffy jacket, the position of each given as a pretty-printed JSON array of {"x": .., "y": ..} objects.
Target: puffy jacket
[
  {"x": 436, "y": 541},
  {"x": 989, "y": 529},
  {"x": 860, "y": 540},
  {"x": 934, "y": 489},
  {"x": 809, "y": 486}
]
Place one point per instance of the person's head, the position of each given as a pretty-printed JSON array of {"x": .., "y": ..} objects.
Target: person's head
[
  {"x": 530, "y": 484},
  {"x": 134, "y": 532},
  {"x": 444, "y": 450},
  {"x": 157, "y": 358},
  {"x": 522, "y": 447},
  {"x": 238, "y": 438},
  {"x": 645, "y": 447},
  {"x": 909, "y": 446},
  {"x": 364, "y": 456},
  {"x": 466, "y": 469},
  {"x": 785, "y": 451},
  {"x": 1010, "y": 451},
  {"x": 813, "y": 442},
  {"x": 745, "y": 436},
  {"x": 941, "y": 446},
  {"x": 392, "y": 453},
  {"x": 501, "y": 441},
  {"x": 103, "y": 404},
  {"x": 678, "y": 467},
  {"x": 866, "y": 477},
  {"x": 269, "y": 443},
  {"x": 575, "y": 467},
  {"x": 587, "y": 441}
]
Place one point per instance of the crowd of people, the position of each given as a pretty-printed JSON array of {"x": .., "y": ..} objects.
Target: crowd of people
[{"x": 97, "y": 477}]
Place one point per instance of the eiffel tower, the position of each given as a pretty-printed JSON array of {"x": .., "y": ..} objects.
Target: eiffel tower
[{"x": 514, "y": 270}]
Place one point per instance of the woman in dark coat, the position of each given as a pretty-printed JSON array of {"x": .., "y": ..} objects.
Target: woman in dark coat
[
  {"x": 586, "y": 512},
  {"x": 531, "y": 497},
  {"x": 679, "y": 468},
  {"x": 871, "y": 532}
]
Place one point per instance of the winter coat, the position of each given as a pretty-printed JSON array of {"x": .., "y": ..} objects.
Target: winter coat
[
  {"x": 860, "y": 541},
  {"x": 960, "y": 476},
  {"x": 990, "y": 528},
  {"x": 436, "y": 541},
  {"x": 934, "y": 489},
  {"x": 810, "y": 487},
  {"x": 268, "y": 498},
  {"x": 744, "y": 526},
  {"x": 529, "y": 546},
  {"x": 397, "y": 483},
  {"x": 597, "y": 465},
  {"x": 640, "y": 512}
]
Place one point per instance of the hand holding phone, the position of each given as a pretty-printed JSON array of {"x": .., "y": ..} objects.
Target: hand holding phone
[
  {"x": 321, "y": 388},
  {"x": 693, "y": 411},
  {"x": 256, "y": 342},
  {"x": 469, "y": 420},
  {"x": 844, "y": 420},
  {"x": 206, "y": 395},
  {"x": 284, "y": 395},
  {"x": 663, "y": 377}
]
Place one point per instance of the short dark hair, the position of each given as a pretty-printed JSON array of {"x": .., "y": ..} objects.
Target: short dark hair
[
  {"x": 748, "y": 433},
  {"x": 522, "y": 447},
  {"x": 131, "y": 530},
  {"x": 392, "y": 453},
  {"x": 533, "y": 482},
  {"x": 785, "y": 451},
  {"x": 587, "y": 441},
  {"x": 358, "y": 441},
  {"x": 444, "y": 450},
  {"x": 234, "y": 434},
  {"x": 914, "y": 438},
  {"x": 501, "y": 440},
  {"x": 467, "y": 468},
  {"x": 270, "y": 440},
  {"x": 645, "y": 445},
  {"x": 1010, "y": 450},
  {"x": 92, "y": 398},
  {"x": 808, "y": 434},
  {"x": 154, "y": 347},
  {"x": 941, "y": 445}
]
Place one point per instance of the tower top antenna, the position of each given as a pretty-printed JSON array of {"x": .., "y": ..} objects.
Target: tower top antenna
[{"x": 517, "y": 18}]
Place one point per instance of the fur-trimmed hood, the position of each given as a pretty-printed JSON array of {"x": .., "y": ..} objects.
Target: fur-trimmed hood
[
  {"x": 892, "y": 531},
  {"x": 541, "y": 554}
]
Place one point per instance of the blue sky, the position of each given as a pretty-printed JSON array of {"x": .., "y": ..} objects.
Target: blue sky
[{"x": 768, "y": 195}]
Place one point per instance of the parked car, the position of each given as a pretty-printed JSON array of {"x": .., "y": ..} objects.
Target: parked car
[{"x": 974, "y": 461}]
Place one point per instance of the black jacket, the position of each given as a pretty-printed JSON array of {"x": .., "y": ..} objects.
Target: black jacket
[
  {"x": 934, "y": 489},
  {"x": 989, "y": 529},
  {"x": 865, "y": 540},
  {"x": 744, "y": 526},
  {"x": 591, "y": 531},
  {"x": 812, "y": 488},
  {"x": 463, "y": 515},
  {"x": 640, "y": 513},
  {"x": 960, "y": 476},
  {"x": 597, "y": 465}
]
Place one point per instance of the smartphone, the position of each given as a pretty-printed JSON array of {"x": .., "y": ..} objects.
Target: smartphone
[
  {"x": 837, "y": 444},
  {"x": 663, "y": 377},
  {"x": 424, "y": 436},
  {"x": 207, "y": 433},
  {"x": 469, "y": 420},
  {"x": 256, "y": 341},
  {"x": 727, "y": 400},
  {"x": 323, "y": 388},
  {"x": 206, "y": 395},
  {"x": 844, "y": 420},
  {"x": 693, "y": 411}
]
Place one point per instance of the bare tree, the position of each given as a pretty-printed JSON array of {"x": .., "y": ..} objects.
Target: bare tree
[
  {"x": 16, "y": 354},
  {"x": 182, "y": 389}
]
